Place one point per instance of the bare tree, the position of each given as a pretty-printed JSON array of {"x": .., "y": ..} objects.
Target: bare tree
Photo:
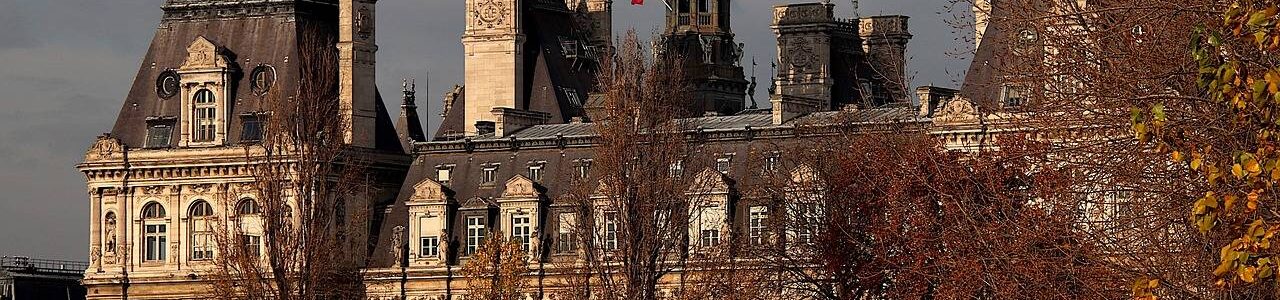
[
  {"x": 498, "y": 270},
  {"x": 301, "y": 237}
]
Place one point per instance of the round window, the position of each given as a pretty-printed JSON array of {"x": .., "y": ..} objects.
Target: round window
[
  {"x": 262, "y": 78},
  {"x": 167, "y": 84}
]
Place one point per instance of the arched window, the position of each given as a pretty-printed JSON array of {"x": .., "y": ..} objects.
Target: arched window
[
  {"x": 201, "y": 209},
  {"x": 201, "y": 232},
  {"x": 205, "y": 111},
  {"x": 155, "y": 234},
  {"x": 152, "y": 210},
  {"x": 247, "y": 207}
]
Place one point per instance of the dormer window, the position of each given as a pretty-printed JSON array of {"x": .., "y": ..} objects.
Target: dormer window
[
  {"x": 1013, "y": 95},
  {"x": 489, "y": 174},
  {"x": 205, "y": 85},
  {"x": 159, "y": 132},
  {"x": 251, "y": 129}
]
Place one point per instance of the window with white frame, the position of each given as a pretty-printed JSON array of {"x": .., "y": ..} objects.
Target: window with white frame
[
  {"x": 475, "y": 234},
  {"x": 771, "y": 162},
  {"x": 611, "y": 231},
  {"x": 710, "y": 238},
  {"x": 489, "y": 174},
  {"x": 676, "y": 169},
  {"x": 521, "y": 230},
  {"x": 155, "y": 233},
  {"x": 583, "y": 168},
  {"x": 430, "y": 246},
  {"x": 201, "y": 231},
  {"x": 535, "y": 171},
  {"x": 204, "y": 116},
  {"x": 251, "y": 244},
  {"x": 722, "y": 164},
  {"x": 565, "y": 242},
  {"x": 757, "y": 225}
]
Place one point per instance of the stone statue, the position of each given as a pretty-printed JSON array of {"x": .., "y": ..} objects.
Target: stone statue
[
  {"x": 397, "y": 242},
  {"x": 737, "y": 54},
  {"x": 445, "y": 243},
  {"x": 706, "y": 43}
]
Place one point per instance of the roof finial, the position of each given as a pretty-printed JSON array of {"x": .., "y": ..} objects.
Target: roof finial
[{"x": 409, "y": 88}]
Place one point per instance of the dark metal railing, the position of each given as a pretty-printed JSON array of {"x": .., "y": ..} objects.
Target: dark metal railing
[{"x": 42, "y": 265}]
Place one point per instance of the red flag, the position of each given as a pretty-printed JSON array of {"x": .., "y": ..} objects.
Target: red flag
[{"x": 637, "y": 2}]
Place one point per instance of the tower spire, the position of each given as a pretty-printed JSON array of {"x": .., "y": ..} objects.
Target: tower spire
[{"x": 408, "y": 126}]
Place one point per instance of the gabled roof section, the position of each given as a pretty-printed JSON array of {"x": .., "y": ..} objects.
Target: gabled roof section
[
  {"x": 983, "y": 80},
  {"x": 430, "y": 191},
  {"x": 521, "y": 187}
]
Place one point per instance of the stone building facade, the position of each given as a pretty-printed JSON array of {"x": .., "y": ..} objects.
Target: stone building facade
[{"x": 512, "y": 136}]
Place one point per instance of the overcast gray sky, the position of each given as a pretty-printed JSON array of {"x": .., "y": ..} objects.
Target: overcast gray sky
[{"x": 66, "y": 66}]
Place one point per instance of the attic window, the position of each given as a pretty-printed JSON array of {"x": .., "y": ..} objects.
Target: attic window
[
  {"x": 158, "y": 135},
  {"x": 251, "y": 129},
  {"x": 1013, "y": 96}
]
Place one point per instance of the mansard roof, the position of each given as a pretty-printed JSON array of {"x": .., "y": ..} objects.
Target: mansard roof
[
  {"x": 255, "y": 33},
  {"x": 983, "y": 81},
  {"x": 550, "y": 75}
]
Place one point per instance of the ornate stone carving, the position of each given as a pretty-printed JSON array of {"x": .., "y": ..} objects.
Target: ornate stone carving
[
  {"x": 800, "y": 56},
  {"x": 491, "y": 13},
  {"x": 428, "y": 191},
  {"x": 958, "y": 110},
  {"x": 153, "y": 190},
  {"x": 520, "y": 187},
  {"x": 202, "y": 188},
  {"x": 203, "y": 54},
  {"x": 106, "y": 147}
]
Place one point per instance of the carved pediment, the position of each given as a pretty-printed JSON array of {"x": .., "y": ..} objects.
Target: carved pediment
[
  {"x": 957, "y": 110},
  {"x": 105, "y": 148},
  {"x": 709, "y": 181},
  {"x": 521, "y": 187},
  {"x": 429, "y": 191},
  {"x": 203, "y": 54},
  {"x": 478, "y": 202}
]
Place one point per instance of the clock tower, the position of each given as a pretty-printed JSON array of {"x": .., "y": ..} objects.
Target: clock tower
[{"x": 493, "y": 49}]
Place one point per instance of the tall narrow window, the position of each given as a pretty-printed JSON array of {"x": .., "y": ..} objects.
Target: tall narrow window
[
  {"x": 584, "y": 168},
  {"x": 757, "y": 225},
  {"x": 205, "y": 111},
  {"x": 676, "y": 169},
  {"x": 430, "y": 246},
  {"x": 611, "y": 231},
  {"x": 808, "y": 216},
  {"x": 475, "y": 234},
  {"x": 564, "y": 233},
  {"x": 201, "y": 231},
  {"x": 771, "y": 163},
  {"x": 521, "y": 230},
  {"x": 155, "y": 233},
  {"x": 704, "y": 6}
]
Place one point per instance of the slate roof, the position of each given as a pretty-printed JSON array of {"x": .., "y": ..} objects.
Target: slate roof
[
  {"x": 982, "y": 82},
  {"x": 250, "y": 33}
]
